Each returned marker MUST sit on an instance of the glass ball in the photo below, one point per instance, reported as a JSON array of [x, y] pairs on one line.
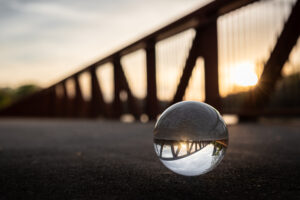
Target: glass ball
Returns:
[[190, 138]]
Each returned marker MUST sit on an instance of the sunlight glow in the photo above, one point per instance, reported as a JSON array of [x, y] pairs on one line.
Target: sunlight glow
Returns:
[[183, 146], [244, 75]]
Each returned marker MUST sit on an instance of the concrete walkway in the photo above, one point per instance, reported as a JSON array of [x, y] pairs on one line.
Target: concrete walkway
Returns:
[[81, 159]]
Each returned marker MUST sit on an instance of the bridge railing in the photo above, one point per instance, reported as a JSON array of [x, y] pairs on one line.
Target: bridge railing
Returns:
[[205, 45]]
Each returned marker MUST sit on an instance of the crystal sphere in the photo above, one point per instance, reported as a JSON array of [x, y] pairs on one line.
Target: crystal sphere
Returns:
[[190, 138]]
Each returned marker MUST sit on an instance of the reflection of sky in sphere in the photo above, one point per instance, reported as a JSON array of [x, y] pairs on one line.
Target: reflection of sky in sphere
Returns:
[[197, 163]]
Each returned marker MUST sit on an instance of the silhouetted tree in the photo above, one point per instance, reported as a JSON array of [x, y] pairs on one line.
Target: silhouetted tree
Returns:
[[9, 95]]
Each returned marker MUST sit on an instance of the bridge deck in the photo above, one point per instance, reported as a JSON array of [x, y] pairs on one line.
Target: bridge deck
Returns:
[[77, 159]]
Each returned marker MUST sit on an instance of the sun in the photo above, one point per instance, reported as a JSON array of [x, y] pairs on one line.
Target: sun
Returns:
[[244, 75]]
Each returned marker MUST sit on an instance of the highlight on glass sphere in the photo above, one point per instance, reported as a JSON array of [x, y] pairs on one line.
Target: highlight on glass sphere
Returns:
[[190, 138]]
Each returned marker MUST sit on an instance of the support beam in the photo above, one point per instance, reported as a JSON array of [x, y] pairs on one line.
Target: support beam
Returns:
[[117, 104], [209, 49], [121, 84], [60, 102], [45, 107], [152, 106], [65, 100], [131, 100], [53, 102], [79, 104], [188, 69], [97, 104]]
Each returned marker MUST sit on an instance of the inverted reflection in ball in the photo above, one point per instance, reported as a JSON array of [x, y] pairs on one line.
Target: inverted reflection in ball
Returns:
[[190, 138]]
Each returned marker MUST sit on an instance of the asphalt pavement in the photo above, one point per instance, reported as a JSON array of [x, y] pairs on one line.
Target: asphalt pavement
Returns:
[[98, 159]]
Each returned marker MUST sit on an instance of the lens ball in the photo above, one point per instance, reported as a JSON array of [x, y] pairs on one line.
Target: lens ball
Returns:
[[190, 138]]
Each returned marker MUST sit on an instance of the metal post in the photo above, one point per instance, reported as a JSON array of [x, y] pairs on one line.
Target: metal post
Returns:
[[65, 100], [209, 45], [152, 107], [97, 104], [117, 104], [79, 106]]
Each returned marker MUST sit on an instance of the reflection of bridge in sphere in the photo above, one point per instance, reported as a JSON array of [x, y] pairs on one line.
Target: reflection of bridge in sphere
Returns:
[[173, 150]]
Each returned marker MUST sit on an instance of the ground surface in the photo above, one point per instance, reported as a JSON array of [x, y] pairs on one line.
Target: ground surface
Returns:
[[76, 159]]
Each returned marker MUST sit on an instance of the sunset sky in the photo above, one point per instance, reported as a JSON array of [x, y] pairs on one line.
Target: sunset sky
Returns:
[[43, 41]]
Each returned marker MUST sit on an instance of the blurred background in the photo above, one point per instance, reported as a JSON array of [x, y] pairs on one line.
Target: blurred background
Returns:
[[43, 44]]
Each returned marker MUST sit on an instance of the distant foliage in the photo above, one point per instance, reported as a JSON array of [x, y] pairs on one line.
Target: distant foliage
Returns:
[[10, 95], [287, 92], [286, 95]]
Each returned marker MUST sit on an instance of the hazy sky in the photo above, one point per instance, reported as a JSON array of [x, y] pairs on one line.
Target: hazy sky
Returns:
[[43, 41]]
